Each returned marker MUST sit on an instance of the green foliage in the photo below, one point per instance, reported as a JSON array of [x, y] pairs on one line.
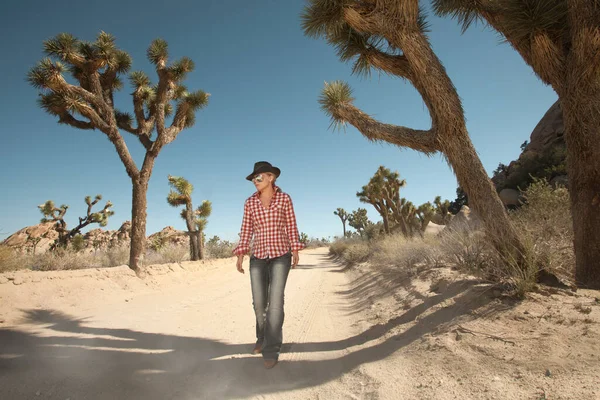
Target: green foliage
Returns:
[[158, 51], [56, 214], [181, 194], [530, 166], [334, 94], [78, 243], [218, 248], [442, 208], [303, 238], [359, 220], [461, 200]]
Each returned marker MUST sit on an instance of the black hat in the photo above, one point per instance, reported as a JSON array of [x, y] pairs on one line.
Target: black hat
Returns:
[[263, 166]]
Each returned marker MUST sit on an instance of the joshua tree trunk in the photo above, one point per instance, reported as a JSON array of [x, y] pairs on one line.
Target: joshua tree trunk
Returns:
[[138, 224], [194, 245], [448, 134], [453, 139], [564, 52], [200, 242], [582, 115]]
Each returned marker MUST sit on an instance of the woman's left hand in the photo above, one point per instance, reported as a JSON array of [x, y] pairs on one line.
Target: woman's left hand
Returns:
[[295, 258]]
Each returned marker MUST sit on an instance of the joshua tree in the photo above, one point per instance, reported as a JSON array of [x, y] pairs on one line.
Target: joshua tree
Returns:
[[89, 105], [57, 214], [195, 220], [442, 209], [340, 212], [358, 220], [424, 214], [560, 40], [383, 186], [304, 238], [389, 35]]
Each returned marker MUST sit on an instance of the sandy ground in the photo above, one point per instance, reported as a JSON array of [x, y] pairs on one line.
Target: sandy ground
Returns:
[[185, 332]]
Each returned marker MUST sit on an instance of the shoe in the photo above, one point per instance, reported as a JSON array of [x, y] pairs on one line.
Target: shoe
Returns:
[[257, 349], [270, 363]]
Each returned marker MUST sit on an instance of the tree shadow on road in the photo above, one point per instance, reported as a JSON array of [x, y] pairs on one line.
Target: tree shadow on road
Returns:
[[67, 357]]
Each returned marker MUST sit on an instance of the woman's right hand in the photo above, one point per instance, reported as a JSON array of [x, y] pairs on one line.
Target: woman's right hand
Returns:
[[238, 264]]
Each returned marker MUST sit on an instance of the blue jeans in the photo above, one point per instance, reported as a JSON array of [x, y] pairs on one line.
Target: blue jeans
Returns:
[[268, 277]]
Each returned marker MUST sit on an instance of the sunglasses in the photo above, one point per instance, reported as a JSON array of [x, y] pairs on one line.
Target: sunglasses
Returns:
[[258, 178]]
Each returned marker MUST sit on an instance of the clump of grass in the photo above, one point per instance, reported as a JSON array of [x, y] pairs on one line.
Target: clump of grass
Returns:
[[545, 221], [217, 248], [356, 252], [397, 250], [9, 259], [169, 253]]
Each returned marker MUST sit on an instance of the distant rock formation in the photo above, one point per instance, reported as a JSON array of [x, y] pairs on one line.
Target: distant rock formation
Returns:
[[37, 237], [168, 235], [544, 155], [40, 237]]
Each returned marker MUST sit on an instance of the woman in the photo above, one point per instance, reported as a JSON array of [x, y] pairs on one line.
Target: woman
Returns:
[[269, 221]]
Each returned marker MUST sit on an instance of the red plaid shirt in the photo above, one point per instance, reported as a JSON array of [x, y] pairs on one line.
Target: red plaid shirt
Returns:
[[273, 229]]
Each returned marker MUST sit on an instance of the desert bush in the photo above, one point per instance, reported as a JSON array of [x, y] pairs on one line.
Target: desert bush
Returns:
[[356, 251], [169, 253], [468, 249], [10, 260], [218, 248], [545, 221], [314, 243], [399, 251], [115, 256], [337, 247], [63, 259]]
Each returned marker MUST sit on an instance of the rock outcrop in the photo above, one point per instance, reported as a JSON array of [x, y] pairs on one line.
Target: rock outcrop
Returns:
[[168, 235], [39, 238], [36, 238], [543, 157], [465, 220]]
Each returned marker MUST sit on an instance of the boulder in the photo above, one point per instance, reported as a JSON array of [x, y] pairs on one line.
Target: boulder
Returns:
[[510, 197], [465, 220], [40, 236]]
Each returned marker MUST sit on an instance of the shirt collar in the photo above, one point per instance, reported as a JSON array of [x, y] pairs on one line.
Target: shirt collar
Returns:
[[277, 191]]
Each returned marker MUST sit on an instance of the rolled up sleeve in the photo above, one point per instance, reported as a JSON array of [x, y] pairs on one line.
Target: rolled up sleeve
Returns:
[[291, 227], [246, 231]]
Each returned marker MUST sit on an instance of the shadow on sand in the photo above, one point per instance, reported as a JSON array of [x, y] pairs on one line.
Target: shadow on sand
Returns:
[[105, 363]]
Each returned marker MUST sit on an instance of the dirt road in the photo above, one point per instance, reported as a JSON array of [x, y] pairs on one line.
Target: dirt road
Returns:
[[186, 330], [182, 335]]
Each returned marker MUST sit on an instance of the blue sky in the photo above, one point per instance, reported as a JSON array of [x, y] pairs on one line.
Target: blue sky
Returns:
[[264, 77]]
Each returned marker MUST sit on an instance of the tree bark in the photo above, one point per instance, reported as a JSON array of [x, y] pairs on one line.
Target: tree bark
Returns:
[[194, 245], [581, 113], [441, 98], [200, 245], [138, 224]]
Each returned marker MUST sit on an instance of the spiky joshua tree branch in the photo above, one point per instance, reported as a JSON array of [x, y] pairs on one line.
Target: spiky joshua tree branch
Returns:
[[56, 214]]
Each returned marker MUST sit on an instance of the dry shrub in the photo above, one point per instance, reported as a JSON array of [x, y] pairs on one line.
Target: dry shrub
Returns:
[[356, 252], [398, 251], [337, 247], [468, 249], [170, 253], [314, 243], [545, 222], [217, 248], [64, 259], [9, 260], [351, 251], [115, 256]]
